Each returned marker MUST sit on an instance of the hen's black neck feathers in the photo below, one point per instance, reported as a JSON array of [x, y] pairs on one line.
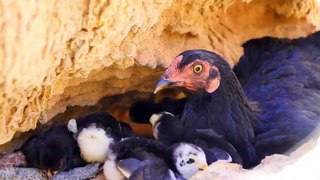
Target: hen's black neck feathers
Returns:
[[224, 110]]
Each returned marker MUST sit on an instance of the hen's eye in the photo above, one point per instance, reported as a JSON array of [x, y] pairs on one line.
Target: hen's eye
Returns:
[[190, 161], [197, 68]]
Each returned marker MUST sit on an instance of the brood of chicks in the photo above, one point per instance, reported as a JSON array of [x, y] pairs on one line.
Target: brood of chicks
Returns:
[[216, 121], [99, 137]]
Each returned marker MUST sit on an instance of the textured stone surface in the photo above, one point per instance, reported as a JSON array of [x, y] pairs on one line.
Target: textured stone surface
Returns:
[[86, 172], [301, 164], [60, 53], [12, 160], [15, 173]]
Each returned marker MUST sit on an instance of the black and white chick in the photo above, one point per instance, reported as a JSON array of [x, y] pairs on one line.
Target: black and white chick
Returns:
[[169, 130], [52, 150], [188, 159], [96, 132], [148, 159]]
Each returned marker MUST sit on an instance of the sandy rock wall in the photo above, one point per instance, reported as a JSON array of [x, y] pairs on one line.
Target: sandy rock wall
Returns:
[[300, 163], [58, 53]]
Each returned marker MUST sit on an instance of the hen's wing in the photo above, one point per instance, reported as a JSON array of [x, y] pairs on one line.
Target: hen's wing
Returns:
[[283, 76]]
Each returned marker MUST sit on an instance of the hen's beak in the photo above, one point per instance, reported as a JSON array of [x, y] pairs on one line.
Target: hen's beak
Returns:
[[163, 83], [202, 167]]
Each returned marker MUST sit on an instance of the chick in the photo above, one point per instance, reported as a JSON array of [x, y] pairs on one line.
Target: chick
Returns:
[[169, 130], [143, 158], [95, 133], [53, 150], [188, 159]]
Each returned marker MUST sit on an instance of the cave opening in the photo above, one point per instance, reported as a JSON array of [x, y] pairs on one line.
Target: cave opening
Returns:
[[117, 105]]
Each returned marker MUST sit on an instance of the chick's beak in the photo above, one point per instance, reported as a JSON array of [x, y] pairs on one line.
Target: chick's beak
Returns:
[[153, 119], [203, 167], [51, 172], [163, 83]]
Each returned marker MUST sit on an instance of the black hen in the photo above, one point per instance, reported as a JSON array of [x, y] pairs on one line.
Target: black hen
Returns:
[[282, 76]]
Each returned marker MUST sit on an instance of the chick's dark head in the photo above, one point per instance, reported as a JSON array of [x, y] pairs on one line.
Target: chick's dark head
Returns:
[[195, 70], [54, 155], [165, 126], [141, 111], [100, 120]]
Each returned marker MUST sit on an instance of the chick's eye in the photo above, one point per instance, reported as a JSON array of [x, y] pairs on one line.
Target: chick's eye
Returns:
[[197, 68], [190, 161], [108, 131]]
